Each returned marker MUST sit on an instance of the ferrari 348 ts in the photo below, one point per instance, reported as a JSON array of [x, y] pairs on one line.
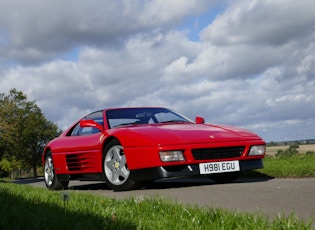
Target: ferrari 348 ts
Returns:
[[128, 146]]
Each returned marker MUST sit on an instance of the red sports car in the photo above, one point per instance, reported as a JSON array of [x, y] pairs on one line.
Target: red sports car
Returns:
[[128, 146]]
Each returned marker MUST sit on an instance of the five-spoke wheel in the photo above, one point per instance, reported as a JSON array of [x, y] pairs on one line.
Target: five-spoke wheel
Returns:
[[51, 179], [115, 168]]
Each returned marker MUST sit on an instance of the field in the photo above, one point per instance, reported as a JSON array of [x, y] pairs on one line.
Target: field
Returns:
[[272, 150]]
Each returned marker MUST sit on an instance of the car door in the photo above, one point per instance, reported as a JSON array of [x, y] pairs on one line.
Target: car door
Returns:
[[82, 148]]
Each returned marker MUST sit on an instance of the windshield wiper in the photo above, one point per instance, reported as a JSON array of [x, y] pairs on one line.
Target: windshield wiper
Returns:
[[125, 124], [174, 121]]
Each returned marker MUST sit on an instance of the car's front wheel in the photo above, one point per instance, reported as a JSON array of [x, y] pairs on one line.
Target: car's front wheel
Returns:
[[51, 180], [115, 169]]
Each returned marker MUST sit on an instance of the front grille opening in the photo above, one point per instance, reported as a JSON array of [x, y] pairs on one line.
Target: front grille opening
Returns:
[[217, 153]]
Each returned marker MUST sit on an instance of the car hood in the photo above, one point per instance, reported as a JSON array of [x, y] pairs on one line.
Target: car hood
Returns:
[[168, 134]]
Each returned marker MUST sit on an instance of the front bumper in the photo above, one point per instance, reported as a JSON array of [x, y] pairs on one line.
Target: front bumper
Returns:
[[185, 170]]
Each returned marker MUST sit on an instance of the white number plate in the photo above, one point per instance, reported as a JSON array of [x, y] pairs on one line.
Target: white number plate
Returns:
[[219, 167]]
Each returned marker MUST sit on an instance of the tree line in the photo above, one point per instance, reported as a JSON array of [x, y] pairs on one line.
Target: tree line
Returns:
[[24, 131]]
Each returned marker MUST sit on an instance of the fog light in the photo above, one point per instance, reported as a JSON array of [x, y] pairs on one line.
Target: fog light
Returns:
[[169, 156], [257, 150]]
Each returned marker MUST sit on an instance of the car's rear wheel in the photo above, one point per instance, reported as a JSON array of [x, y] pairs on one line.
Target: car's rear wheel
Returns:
[[51, 179], [222, 178], [115, 169]]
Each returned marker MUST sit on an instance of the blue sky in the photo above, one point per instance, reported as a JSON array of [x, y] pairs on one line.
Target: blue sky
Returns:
[[246, 63], [196, 23]]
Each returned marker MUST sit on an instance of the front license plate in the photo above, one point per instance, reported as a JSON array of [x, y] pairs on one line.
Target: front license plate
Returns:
[[219, 167]]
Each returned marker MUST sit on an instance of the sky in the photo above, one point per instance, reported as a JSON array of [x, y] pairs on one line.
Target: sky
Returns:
[[247, 63]]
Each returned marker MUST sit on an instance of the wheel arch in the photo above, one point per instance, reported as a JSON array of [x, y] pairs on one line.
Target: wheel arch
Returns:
[[108, 140], [46, 150]]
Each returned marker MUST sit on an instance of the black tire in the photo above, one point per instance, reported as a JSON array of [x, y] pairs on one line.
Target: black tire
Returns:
[[51, 180], [222, 178], [115, 169]]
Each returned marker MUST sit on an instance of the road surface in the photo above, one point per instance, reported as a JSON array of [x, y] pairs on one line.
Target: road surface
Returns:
[[269, 196]]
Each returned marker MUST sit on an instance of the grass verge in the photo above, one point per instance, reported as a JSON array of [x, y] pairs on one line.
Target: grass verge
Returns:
[[295, 165], [25, 207]]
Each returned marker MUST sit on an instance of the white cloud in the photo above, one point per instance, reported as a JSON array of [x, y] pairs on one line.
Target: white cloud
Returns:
[[253, 67], [37, 31], [262, 22]]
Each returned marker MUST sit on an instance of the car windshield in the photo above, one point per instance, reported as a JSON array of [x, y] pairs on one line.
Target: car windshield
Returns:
[[131, 116]]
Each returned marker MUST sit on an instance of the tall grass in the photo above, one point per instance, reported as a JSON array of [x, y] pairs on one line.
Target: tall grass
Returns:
[[289, 165], [25, 207]]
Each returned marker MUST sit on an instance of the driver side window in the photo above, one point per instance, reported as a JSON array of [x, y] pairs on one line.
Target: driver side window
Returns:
[[75, 131], [81, 131]]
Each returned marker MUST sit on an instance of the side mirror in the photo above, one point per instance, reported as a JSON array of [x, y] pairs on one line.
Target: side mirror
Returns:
[[200, 120], [91, 123]]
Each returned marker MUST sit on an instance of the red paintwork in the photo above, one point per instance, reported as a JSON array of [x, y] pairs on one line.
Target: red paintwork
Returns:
[[143, 142]]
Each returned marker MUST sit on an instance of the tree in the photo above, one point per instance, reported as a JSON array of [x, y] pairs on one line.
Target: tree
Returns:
[[24, 130], [294, 145]]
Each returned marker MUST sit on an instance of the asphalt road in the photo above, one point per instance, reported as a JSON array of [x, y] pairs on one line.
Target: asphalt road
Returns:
[[269, 196]]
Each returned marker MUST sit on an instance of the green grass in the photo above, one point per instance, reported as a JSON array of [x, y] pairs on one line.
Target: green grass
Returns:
[[295, 165], [26, 207]]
